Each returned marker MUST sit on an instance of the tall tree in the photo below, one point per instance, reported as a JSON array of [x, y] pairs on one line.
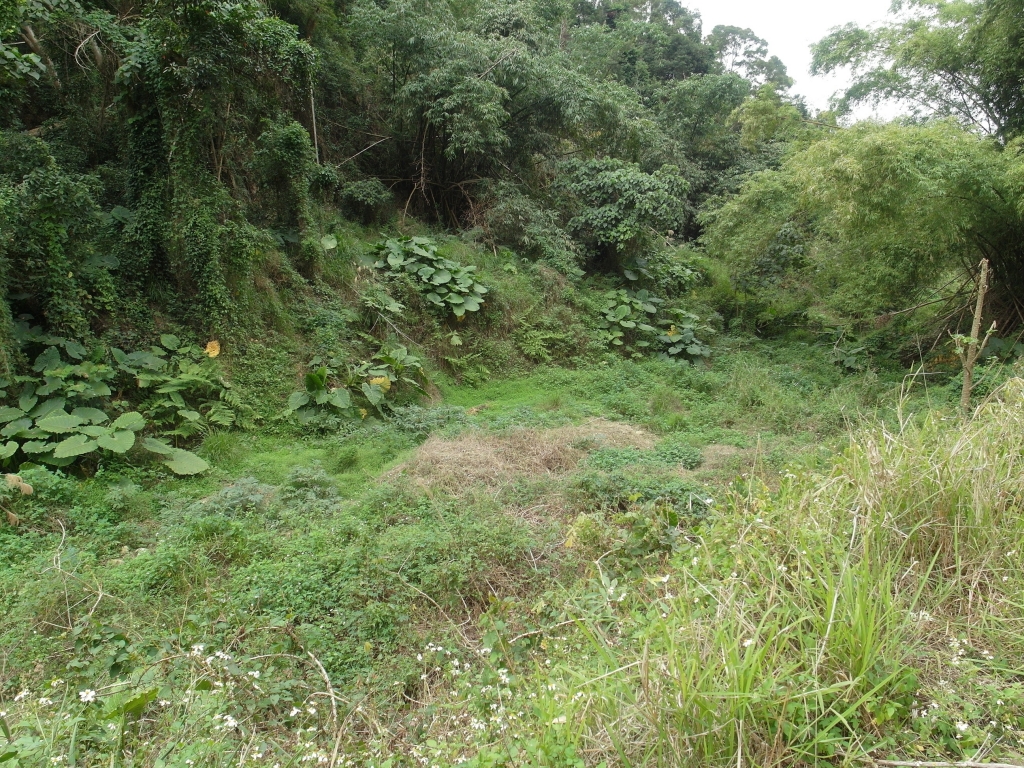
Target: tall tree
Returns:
[[957, 58]]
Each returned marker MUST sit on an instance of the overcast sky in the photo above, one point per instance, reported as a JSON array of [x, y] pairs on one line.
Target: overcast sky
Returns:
[[790, 26]]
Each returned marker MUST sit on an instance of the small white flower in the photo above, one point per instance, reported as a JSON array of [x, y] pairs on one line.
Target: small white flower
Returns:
[[748, 642], [45, 702], [164, 703], [295, 711], [88, 695], [254, 674], [962, 727], [22, 695], [311, 710]]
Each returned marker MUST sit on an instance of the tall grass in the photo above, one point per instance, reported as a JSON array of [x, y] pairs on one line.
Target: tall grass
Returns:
[[819, 621], [871, 611]]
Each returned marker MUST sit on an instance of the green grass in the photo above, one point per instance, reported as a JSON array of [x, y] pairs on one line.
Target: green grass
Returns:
[[732, 593]]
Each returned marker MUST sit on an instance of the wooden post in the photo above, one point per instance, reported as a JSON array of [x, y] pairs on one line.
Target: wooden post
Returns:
[[975, 345], [312, 111]]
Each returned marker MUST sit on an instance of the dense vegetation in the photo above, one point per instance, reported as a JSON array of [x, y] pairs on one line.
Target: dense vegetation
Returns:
[[507, 382]]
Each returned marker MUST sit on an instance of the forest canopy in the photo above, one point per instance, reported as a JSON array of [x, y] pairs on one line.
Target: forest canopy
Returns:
[[163, 157]]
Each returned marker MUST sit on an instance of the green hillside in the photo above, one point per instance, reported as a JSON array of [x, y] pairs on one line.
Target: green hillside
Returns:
[[392, 383]]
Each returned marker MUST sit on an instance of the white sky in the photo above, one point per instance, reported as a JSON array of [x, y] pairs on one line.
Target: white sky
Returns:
[[790, 26]]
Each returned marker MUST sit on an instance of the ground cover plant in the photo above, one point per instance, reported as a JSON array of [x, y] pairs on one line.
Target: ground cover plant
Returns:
[[510, 383], [466, 608]]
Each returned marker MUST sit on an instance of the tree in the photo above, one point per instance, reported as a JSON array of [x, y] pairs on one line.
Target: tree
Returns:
[[741, 51], [874, 218], [954, 58]]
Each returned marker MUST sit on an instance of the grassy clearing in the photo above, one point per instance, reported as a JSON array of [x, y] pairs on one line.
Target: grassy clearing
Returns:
[[641, 564]]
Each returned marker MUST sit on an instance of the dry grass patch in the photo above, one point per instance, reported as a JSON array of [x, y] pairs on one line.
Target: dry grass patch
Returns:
[[493, 460]]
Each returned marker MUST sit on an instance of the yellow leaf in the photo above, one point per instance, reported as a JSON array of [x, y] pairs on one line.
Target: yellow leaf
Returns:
[[213, 349], [362, 413], [382, 381]]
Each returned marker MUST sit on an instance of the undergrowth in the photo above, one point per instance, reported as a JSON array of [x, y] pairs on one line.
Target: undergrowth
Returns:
[[669, 570]]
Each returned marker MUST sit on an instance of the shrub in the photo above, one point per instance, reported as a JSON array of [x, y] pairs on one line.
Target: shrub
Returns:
[[444, 283]]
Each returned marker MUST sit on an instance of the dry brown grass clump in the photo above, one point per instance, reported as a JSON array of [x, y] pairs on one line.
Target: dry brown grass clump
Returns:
[[494, 460]]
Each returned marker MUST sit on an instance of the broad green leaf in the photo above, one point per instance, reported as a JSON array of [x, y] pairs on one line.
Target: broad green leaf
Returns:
[[47, 407], [94, 431], [158, 446], [6, 451], [471, 303], [131, 420], [316, 380], [441, 277], [329, 242], [340, 398], [49, 458], [122, 215], [76, 445], [48, 360], [621, 311], [188, 413], [9, 413], [296, 400], [14, 428], [74, 349], [37, 446], [118, 442], [170, 341], [373, 393], [185, 463], [137, 703], [92, 415], [60, 423], [27, 401]]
